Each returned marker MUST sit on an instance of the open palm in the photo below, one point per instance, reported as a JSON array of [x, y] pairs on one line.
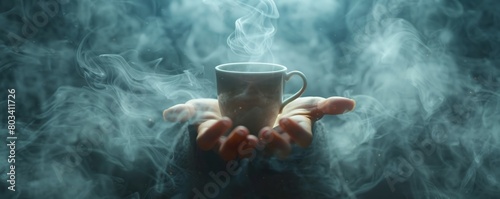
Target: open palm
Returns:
[[293, 125]]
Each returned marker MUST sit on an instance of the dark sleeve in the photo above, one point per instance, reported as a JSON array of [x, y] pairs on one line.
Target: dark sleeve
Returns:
[[196, 174], [301, 175], [187, 168], [179, 171]]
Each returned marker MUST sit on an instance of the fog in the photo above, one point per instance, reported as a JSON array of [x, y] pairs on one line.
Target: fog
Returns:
[[92, 78]]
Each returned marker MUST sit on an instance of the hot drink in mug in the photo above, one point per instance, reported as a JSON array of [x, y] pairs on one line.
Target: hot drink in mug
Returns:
[[251, 93]]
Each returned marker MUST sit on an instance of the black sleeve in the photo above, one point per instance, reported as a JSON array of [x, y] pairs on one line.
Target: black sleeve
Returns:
[[301, 175], [187, 168]]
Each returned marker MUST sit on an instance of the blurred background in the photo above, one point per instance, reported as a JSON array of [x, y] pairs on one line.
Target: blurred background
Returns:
[[92, 78]]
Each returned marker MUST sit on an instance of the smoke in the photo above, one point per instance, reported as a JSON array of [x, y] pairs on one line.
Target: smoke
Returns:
[[254, 32], [92, 78]]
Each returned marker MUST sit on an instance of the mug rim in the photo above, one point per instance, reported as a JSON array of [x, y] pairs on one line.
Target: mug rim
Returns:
[[220, 66]]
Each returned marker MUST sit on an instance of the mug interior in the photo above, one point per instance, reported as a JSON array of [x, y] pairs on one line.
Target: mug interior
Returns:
[[250, 67]]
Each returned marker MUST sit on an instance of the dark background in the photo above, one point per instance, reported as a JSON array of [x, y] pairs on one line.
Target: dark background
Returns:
[[92, 78]]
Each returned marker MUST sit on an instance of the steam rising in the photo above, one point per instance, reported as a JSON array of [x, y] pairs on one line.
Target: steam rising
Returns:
[[92, 78], [254, 32]]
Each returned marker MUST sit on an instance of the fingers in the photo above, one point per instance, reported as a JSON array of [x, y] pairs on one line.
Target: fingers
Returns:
[[316, 107], [210, 131], [179, 113], [246, 149], [336, 105], [205, 105], [229, 149], [274, 142], [201, 109], [296, 121], [299, 126], [299, 131]]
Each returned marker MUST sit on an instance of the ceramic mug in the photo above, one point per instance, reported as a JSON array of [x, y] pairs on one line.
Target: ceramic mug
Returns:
[[251, 93]]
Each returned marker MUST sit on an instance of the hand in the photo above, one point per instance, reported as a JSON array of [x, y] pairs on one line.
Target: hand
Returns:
[[293, 125], [211, 127]]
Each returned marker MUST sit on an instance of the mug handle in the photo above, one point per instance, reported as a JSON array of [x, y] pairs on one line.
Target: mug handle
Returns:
[[298, 93]]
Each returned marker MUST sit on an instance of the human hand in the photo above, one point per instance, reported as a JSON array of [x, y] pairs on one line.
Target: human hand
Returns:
[[293, 125], [211, 127]]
